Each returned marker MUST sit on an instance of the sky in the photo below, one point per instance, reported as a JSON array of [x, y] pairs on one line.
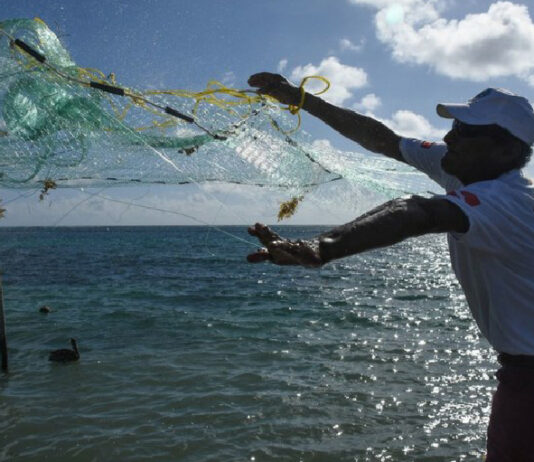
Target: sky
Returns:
[[393, 60]]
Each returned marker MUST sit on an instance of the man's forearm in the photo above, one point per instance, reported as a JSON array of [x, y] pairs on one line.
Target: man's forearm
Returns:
[[385, 225], [366, 131]]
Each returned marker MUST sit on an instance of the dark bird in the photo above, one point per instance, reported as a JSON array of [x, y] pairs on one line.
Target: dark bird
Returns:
[[65, 355], [45, 309]]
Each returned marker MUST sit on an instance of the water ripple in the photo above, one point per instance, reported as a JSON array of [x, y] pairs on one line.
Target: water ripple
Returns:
[[190, 354]]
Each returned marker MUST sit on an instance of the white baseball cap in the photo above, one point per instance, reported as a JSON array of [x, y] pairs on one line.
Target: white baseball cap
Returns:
[[495, 106]]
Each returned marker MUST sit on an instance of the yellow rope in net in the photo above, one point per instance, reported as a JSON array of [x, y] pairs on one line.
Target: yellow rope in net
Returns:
[[216, 93]]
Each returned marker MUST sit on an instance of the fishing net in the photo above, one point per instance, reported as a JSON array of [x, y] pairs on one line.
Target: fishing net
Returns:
[[62, 125]]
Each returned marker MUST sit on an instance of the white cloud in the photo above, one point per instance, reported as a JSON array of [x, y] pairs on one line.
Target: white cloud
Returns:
[[343, 78], [369, 102], [411, 11], [346, 45], [412, 125], [495, 43], [282, 65]]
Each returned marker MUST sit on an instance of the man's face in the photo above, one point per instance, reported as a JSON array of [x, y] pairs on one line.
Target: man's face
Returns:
[[475, 152]]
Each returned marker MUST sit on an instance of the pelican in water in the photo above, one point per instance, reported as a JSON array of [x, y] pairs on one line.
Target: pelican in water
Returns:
[[65, 355]]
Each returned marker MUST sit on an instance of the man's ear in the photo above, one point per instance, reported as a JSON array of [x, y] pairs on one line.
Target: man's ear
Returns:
[[512, 154]]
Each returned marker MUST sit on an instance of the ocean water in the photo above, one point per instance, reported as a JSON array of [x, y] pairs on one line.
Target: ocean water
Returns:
[[188, 353]]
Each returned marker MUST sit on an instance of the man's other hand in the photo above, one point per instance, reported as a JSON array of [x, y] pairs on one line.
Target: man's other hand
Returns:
[[283, 251]]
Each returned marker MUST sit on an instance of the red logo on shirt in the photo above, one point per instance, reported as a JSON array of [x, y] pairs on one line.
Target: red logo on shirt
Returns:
[[470, 198], [427, 144]]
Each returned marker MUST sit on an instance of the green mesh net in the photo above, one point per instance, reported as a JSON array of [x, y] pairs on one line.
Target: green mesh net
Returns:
[[56, 128]]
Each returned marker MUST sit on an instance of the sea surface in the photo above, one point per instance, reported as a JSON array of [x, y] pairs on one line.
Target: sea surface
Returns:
[[190, 354]]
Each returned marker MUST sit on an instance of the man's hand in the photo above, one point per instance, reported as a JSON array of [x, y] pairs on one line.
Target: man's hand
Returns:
[[276, 86], [282, 251]]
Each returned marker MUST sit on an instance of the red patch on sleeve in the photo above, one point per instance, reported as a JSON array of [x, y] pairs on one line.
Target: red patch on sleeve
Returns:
[[470, 198], [427, 144]]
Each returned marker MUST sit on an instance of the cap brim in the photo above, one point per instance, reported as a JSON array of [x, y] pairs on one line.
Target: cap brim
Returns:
[[448, 111], [462, 112]]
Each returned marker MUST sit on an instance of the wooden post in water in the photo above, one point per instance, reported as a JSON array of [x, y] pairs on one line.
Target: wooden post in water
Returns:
[[3, 338]]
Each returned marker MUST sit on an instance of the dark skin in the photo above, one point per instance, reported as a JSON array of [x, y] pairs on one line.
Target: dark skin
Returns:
[[470, 159]]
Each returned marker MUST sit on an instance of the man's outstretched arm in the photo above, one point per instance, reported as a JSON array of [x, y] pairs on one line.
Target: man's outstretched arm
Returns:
[[385, 225], [366, 131]]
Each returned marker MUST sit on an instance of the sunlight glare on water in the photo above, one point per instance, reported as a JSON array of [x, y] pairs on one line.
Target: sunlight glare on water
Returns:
[[188, 353]]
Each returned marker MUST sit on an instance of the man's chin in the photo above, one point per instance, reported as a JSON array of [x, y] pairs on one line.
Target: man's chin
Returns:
[[449, 170]]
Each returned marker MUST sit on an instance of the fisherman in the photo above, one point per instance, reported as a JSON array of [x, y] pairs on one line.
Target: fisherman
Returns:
[[487, 211]]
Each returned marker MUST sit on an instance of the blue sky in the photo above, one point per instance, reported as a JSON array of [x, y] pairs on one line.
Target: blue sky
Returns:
[[392, 59]]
